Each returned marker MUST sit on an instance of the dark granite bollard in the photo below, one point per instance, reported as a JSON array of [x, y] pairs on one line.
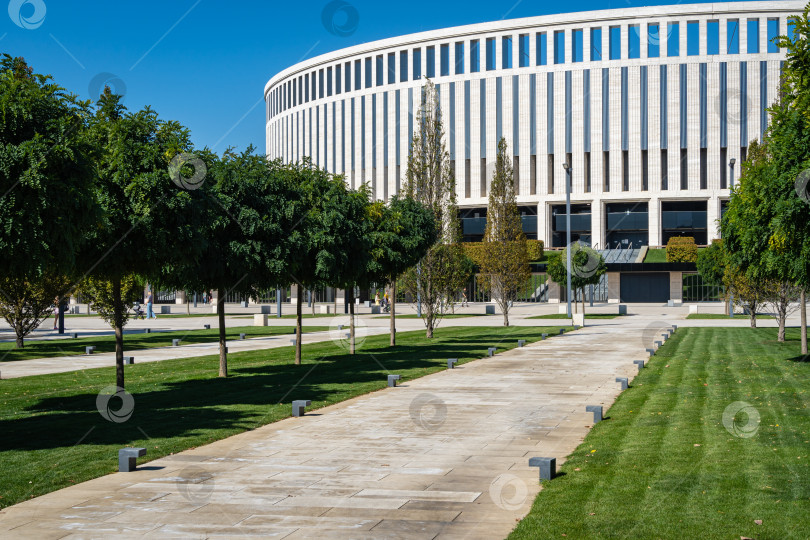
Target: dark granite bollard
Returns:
[[127, 458], [392, 380], [597, 412], [622, 380], [548, 466], [299, 406]]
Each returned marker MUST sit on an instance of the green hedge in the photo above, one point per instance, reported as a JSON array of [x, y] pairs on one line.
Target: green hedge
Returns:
[[474, 250], [682, 249]]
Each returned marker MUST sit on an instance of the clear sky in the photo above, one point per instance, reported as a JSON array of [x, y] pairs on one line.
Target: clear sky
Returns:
[[204, 63]]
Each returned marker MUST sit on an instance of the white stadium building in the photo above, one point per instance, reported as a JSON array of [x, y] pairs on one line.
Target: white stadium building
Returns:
[[650, 106]]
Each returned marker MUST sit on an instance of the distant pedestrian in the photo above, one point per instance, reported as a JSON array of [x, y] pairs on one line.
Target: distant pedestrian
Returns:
[[55, 313], [149, 301], [464, 298], [377, 298]]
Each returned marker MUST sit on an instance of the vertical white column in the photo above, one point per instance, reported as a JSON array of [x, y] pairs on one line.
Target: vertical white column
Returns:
[[634, 127], [713, 125]]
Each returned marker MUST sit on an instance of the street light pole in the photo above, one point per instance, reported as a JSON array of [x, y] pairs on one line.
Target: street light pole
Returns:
[[731, 185], [567, 167]]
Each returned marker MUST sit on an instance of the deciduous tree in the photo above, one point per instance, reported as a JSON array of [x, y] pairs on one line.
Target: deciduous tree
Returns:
[[504, 258]]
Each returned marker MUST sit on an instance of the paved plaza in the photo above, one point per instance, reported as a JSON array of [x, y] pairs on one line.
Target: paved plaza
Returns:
[[444, 456]]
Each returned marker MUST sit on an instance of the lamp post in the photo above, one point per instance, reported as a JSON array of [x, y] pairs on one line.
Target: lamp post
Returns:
[[731, 163], [567, 167]]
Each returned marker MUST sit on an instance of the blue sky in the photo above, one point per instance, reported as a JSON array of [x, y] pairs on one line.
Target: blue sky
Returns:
[[205, 62]]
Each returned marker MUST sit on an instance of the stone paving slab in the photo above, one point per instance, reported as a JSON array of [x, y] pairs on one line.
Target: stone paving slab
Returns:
[[444, 456]]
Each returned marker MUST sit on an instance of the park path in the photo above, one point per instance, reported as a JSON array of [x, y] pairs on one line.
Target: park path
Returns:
[[62, 364], [444, 456]]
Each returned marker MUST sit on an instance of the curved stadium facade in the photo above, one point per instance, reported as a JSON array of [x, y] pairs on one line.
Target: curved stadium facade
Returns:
[[648, 105]]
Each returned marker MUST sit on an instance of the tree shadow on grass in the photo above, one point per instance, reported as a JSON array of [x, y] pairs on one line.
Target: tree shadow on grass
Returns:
[[256, 393]]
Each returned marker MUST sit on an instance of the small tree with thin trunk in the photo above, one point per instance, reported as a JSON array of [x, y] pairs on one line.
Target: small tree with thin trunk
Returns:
[[429, 180], [250, 205], [504, 253], [25, 303], [587, 268], [401, 234], [147, 222]]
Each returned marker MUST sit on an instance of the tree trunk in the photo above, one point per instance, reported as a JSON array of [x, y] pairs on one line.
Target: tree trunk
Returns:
[[223, 355], [299, 303], [782, 318], [392, 316], [752, 308], [583, 305], [118, 317], [20, 342], [351, 322], [312, 301], [803, 329]]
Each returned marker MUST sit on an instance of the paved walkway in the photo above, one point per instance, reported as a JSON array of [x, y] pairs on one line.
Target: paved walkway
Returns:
[[444, 456], [62, 364]]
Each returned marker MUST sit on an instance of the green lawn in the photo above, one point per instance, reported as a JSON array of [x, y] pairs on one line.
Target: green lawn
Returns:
[[725, 316], [53, 436], [304, 315], [656, 256], [664, 466], [446, 316], [587, 316], [133, 341]]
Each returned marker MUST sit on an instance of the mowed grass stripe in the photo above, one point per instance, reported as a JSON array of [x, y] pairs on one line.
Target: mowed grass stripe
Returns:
[[647, 479]]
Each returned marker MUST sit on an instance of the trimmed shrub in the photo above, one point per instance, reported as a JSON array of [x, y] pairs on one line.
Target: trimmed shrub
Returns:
[[682, 249]]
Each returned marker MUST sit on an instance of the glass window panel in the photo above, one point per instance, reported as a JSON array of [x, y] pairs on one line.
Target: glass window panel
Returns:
[[753, 36], [445, 60], [576, 45], [475, 56], [596, 44], [633, 41], [653, 41], [713, 37], [506, 52], [692, 38], [392, 68], [417, 64], [459, 58], [559, 47], [403, 66], [490, 54], [542, 49], [368, 72], [615, 42], [773, 32], [673, 39], [430, 58], [524, 50], [733, 36]]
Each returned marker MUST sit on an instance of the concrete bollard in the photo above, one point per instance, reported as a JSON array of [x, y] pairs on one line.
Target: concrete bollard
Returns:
[[340, 327], [658, 344], [622, 380], [562, 331], [543, 336], [651, 351], [299, 406], [127, 458], [548, 466], [392, 380], [74, 335], [451, 363], [90, 349], [207, 326], [293, 341], [597, 412], [639, 363], [147, 331], [521, 342], [241, 336], [129, 360], [491, 351], [175, 343]]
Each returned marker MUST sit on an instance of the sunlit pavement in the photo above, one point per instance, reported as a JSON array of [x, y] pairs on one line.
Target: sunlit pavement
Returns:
[[444, 456]]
